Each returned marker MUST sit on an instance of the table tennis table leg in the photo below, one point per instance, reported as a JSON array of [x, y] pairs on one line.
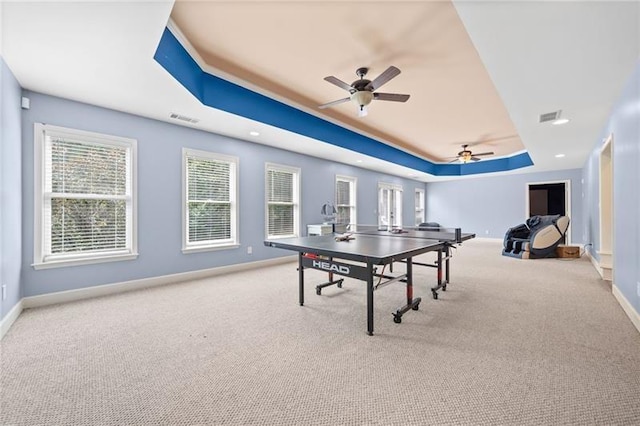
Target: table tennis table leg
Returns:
[[446, 268], [411, 302], [434, 290], [409, 281], [300, 280], [369, 299]]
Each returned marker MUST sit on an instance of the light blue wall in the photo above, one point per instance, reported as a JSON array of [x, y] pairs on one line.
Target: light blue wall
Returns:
[[10, 188], [624, 125], [159, 194], [489, 206]]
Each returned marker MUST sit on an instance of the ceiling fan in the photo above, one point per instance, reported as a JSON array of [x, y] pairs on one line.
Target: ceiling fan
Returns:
[[362, 90], [466, 155]]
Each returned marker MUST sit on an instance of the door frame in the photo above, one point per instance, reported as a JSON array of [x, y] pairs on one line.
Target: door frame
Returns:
[[605, 191], [392, 216], [567, 201]]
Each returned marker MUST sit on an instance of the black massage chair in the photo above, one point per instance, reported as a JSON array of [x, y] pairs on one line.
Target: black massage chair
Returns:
[[537, 238]]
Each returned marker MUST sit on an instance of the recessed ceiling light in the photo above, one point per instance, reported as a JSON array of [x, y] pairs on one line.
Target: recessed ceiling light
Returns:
[[559, 155], [560, 121], [254, 133], [358, 161]]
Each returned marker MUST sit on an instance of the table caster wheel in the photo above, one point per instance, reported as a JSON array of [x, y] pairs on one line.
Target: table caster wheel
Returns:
[[435, 295], [415, 308], [318, 291], [444, 288], [397, 319]]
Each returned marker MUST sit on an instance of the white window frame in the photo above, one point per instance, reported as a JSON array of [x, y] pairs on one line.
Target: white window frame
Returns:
[[230, 243], [42, 259], [396, 208], [353, 186], [420, 207], [296, 199]]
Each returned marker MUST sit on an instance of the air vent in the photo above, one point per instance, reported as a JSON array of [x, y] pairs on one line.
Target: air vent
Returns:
[[550, 116], [184, 118]]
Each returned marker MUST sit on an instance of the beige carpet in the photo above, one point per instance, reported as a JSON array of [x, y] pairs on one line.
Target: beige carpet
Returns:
[[510, 342]]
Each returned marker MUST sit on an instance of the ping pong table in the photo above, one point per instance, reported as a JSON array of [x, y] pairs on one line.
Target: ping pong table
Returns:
[[366, 249], [450, 237]]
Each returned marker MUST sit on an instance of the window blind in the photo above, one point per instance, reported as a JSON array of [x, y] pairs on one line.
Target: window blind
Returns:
[[280, 186], [208, 200], [280, 200], [86, 196], [345, 206], [343, 193]]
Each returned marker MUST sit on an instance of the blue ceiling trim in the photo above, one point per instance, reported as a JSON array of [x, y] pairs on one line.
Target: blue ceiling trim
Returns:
[[221, 94]]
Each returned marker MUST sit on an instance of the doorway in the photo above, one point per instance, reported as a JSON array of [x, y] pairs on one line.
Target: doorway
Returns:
[[389, 206], [549, 198], [605, 253]]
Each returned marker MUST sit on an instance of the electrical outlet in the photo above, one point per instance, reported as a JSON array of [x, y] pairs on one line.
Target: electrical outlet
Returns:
[[249, 250], [4, 292]]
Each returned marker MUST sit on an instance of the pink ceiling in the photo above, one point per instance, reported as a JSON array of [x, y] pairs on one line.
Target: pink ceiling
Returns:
[[285, 49]]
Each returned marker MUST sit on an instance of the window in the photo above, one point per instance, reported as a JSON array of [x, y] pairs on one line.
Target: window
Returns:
[[209, 201], [419, 206], [346, 199], [389, 205], [85, 204], [283, 197]]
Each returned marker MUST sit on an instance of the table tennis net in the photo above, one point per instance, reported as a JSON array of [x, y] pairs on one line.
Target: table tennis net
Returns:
[[422, 227], [432, 231]]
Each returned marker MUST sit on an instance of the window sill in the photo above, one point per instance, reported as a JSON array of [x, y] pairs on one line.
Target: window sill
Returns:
[[188, 250], [84, 261]]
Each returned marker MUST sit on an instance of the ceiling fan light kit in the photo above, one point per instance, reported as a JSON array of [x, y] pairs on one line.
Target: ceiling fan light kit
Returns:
[[362, 99], [362, 90], [465, 156]]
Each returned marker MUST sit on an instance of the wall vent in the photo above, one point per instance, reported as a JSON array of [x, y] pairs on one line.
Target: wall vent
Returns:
[[183, 118], [550, 116]]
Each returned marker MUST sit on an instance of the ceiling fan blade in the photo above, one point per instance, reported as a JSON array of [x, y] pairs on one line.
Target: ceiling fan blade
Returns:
[[329, 104], [341, 84], [395, 97], [387, 75], [474, 159], [483, 153], [488, 141]]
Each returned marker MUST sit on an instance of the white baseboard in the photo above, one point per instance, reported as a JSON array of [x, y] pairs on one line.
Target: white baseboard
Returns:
[[595, 263], [107, 289], [627, 307], [10, 318], [604, 271]]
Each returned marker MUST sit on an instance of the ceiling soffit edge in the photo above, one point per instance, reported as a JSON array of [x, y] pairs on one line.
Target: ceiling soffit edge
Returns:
[[174, 56]]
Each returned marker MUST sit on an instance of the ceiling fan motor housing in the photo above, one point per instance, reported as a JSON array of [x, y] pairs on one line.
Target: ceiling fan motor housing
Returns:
[[359, 85]]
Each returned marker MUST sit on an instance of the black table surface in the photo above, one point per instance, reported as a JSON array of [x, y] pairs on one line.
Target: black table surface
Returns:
[[362, 248]]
